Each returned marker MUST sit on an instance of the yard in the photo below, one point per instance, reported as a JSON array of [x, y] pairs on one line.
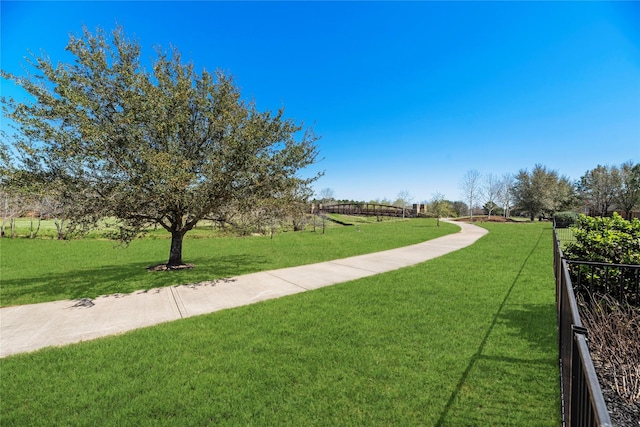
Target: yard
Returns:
[[463, 340]]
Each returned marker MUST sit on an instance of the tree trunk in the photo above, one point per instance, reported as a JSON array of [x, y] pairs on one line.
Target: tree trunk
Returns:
[[59, 226], [175, 254], [33, 233], [39, 224]]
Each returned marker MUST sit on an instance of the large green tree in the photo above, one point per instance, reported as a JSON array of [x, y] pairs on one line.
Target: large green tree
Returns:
[[167, 146], [542, 191], [599, 188], [628, 194]]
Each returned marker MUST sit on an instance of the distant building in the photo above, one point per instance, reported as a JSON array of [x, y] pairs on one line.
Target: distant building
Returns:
[[420, 208]]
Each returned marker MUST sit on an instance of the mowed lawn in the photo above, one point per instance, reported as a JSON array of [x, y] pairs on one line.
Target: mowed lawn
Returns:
[[468, 339], [40, 270]]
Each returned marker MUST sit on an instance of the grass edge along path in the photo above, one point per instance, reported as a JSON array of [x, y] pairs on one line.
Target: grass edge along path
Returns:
[[37, 270], [465, 339]]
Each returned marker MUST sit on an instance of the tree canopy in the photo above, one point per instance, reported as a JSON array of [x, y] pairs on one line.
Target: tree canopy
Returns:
[[598, 187], [542, 191], [606, 186], [169, 146]]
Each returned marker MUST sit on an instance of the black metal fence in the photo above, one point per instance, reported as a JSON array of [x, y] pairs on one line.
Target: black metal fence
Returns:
[[620, 281], [582, 400], [564, 234]]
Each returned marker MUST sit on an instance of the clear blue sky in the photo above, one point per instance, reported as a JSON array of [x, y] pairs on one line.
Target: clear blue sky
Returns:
[[407, 96]]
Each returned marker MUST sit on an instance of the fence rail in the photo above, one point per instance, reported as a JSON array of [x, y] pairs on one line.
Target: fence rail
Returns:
[[368, 209], [621, 281], [582, 401]]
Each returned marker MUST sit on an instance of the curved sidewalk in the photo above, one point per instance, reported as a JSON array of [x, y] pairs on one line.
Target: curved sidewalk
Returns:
[[31, 327]]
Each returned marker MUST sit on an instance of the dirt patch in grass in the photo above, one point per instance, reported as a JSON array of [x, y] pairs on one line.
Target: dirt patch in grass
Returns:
[[165, 267]]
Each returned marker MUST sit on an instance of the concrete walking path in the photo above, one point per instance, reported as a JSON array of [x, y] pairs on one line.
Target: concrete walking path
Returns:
[[30, 327]]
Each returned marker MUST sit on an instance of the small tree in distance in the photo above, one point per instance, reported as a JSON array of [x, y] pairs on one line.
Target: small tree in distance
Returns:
[[440, 207], [471, 189], [327, 195], [505, 193], [490, 192], [167, 147], [459, 208], [403, 199]]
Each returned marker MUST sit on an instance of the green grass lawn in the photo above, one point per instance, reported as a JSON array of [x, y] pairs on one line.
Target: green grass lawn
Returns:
[[467, 339], [37, 270]]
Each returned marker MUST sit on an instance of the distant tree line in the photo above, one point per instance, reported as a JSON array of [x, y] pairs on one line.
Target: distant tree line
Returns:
[[536, 193], [542, 192]]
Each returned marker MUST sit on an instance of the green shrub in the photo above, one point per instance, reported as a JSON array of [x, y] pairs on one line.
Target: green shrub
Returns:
[[565, 219], [612, 240], [609, 241]]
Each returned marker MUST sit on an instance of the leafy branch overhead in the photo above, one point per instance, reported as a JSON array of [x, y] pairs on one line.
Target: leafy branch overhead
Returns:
[[169, 146]]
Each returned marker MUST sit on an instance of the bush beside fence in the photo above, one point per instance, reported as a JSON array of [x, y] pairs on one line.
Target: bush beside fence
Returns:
[[582, 401]]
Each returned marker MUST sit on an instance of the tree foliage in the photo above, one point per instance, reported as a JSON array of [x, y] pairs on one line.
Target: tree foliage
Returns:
[[440, 206], [605, 239], [459, 208], [542, 192], [628, 194], [169, 146], [565, 219], [403, 199], [599, 187]]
